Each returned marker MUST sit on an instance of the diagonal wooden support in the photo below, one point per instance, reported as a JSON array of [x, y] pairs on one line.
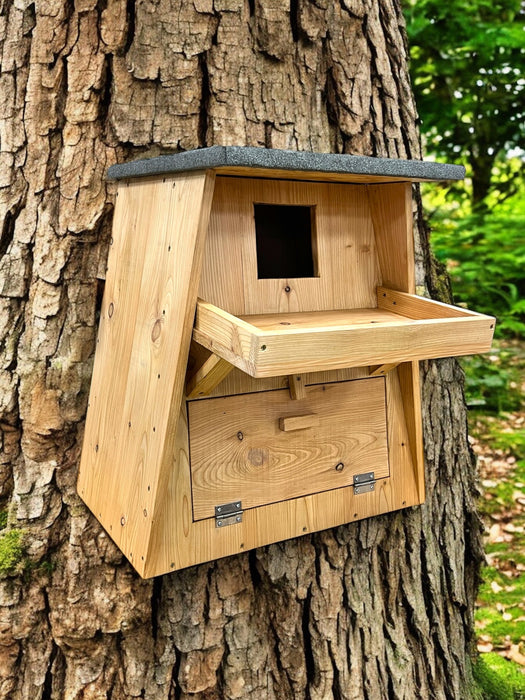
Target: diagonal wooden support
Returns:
[[381, 370], [209, 375]]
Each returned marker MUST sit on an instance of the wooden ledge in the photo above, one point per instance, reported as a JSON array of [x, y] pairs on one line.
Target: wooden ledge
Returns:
[[403, 327]]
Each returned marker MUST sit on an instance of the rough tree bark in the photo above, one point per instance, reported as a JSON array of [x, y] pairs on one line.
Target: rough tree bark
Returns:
[[378, 609]]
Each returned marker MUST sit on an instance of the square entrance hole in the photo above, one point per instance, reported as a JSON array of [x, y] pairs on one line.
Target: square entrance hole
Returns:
[[285, 240]]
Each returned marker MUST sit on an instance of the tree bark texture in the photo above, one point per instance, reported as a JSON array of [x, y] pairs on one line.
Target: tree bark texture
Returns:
[[378, 609]]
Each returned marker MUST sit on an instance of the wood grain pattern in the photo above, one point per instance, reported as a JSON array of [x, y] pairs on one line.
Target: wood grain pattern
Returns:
[[419, 328], [345, 249], [209, 375], [421, 308], [381, 370], [297, 386], [409, 383], [391, 211], [238, 450], [290, 322], [405, 446], [238, 382], [144, 338], [313, 176], [178, 542], [308, 420]]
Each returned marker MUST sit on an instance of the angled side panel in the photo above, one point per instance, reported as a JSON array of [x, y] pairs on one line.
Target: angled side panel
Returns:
[[391, 210], [145, 331]]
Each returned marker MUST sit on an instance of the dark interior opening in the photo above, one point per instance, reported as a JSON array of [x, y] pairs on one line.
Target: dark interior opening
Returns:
[[285, 241]]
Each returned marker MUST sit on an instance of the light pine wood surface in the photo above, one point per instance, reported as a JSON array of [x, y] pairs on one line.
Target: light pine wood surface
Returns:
[[287, 379], [144, 336], [179, 541], [209, 375], [404, 327], [391, 212], [257, 461], [348, 178], [345, 249]]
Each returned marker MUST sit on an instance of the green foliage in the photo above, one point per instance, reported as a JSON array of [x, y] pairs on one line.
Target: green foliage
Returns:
[[467, 66], [11, 551], [498, 679], [486, 262], [493, 382], [485, 257]]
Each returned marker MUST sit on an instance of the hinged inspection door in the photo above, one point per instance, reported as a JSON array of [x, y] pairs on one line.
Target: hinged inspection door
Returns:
[[265, 447]]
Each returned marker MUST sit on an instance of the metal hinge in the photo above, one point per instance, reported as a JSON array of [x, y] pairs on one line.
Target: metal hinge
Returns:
[[364, 483], [228, 514]]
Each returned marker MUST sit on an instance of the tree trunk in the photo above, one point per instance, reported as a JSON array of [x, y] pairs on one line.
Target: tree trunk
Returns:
[[378, 609]]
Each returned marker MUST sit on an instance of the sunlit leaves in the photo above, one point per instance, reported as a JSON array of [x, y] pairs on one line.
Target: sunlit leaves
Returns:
[[468, 67]]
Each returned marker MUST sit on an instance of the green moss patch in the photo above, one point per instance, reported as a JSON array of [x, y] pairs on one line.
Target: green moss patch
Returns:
[[11, 551], [498, 679]]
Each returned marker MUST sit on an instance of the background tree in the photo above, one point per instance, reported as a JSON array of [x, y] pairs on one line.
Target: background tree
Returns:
[[468, 66], [381, 608]]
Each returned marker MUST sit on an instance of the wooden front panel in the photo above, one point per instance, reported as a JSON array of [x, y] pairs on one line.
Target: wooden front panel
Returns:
[[239, 451], [346, 263]]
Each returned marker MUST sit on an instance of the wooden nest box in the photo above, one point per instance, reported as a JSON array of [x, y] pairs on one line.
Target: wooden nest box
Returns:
[[256, 373]]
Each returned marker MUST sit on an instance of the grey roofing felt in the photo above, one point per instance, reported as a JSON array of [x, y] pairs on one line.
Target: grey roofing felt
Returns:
[[272, 159]]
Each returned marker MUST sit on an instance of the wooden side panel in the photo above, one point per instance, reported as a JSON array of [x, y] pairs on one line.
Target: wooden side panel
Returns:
[[347, 265], [240, 451], [418, 308], [408, 374], [177, 542], [391, 208], [222, 271], [391, 211], [144, 337]]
